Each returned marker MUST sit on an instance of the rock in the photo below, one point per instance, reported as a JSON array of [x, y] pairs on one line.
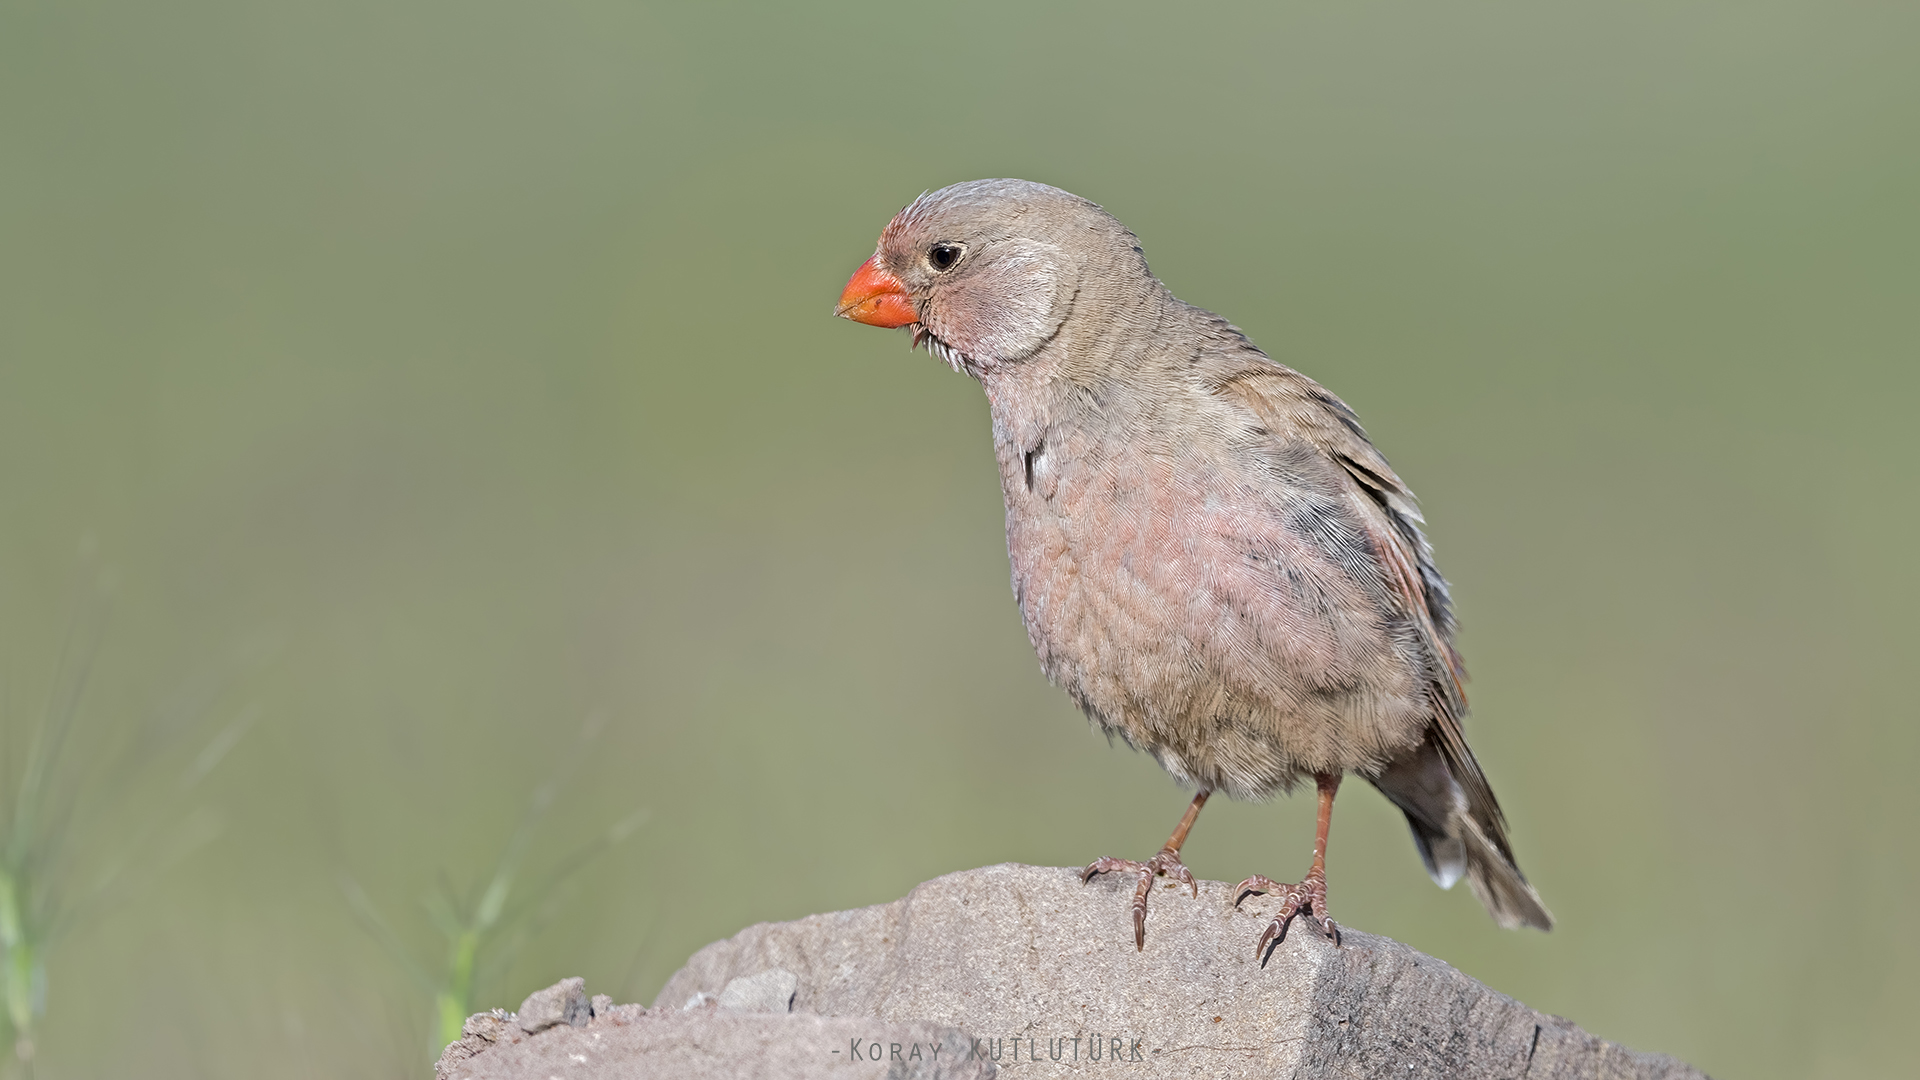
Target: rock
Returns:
[[565, 1002], [480, 1031], [708, 1044], [1025, 968], [1042, 971], [770, 991]]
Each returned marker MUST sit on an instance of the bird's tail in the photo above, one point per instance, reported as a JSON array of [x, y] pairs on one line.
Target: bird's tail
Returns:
[[1460, 831]]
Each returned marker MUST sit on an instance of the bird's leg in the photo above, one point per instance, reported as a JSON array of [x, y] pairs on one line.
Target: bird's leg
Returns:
[[1167, 862], [1311, 894]]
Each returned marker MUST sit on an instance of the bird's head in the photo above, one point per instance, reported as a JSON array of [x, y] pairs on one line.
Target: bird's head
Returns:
[[984, 272]]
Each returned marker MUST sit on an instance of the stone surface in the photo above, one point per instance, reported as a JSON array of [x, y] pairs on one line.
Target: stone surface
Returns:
[[479, 1033], [769, 991], [1030, 960], [565, 1002], [706, 1042], [1024, 969]]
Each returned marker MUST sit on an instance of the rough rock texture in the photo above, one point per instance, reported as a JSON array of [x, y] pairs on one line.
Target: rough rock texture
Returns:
[[769, 991], [709, 1042], [1028, 959], [565, 1002], [1024, 969]]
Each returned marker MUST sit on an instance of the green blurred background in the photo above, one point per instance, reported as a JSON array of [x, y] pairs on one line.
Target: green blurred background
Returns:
[[390, 393]]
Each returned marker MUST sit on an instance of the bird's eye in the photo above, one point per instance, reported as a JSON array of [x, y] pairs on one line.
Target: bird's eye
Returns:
[[943, 256]]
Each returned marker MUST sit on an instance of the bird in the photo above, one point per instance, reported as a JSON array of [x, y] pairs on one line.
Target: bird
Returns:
[[1209, 554]]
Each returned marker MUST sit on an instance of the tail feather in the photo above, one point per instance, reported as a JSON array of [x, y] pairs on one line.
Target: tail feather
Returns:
[[1459, 834], [1445, 856], [1499, 885]]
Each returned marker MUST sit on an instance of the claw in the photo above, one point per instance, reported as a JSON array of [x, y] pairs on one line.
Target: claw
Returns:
[[1309, 896], [1255, 884], [1140, 912], [1274, 930], [1167, 863]]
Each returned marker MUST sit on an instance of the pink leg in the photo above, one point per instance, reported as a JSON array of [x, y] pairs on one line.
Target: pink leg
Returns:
[[1311, 894], [1167, 862]]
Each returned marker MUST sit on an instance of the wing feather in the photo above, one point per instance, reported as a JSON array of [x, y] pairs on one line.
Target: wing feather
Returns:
[[1289, 402]]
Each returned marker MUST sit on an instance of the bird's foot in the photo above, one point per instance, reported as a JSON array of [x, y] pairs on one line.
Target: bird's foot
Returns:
[[1167, 863], [1309, 898]]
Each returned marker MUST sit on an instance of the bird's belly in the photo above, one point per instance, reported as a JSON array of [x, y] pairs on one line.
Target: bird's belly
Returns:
[[1177, 615]]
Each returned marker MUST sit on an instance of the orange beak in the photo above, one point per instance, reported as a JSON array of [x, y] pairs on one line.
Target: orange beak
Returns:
[[875, 297]]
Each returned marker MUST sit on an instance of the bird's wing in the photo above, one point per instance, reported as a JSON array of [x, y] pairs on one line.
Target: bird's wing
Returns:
[[1288, 403]]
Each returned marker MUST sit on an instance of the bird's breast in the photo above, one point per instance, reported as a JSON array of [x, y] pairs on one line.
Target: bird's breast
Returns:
[[1208, 614]]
